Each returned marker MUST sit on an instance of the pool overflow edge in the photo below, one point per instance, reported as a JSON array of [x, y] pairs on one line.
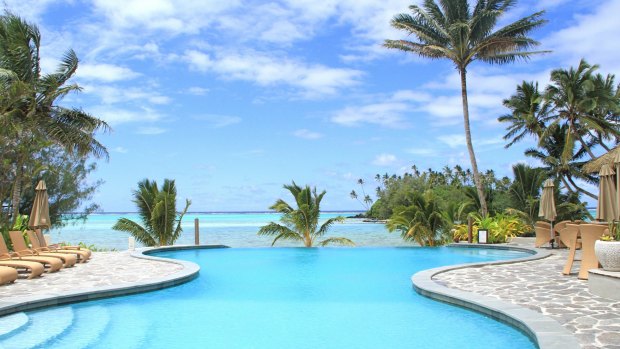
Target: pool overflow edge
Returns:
[[545, 332]]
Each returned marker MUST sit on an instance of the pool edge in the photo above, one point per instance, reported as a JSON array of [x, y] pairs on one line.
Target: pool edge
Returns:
[[544, 331], [189, 272]]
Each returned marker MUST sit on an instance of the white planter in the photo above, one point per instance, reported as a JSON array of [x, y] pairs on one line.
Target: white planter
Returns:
[[608, 254]]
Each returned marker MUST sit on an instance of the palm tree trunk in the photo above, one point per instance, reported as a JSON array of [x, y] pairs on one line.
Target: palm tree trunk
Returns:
[[470, 146], [581, 190], [583, 143], [16, 195]]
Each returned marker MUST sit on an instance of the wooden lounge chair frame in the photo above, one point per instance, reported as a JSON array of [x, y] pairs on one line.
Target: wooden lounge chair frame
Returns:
[[7, 275], [50, 264], [33, 269], [19, 245], [40, 244]]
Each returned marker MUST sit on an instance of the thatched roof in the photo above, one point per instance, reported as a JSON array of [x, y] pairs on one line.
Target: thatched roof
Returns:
[[608, 158]]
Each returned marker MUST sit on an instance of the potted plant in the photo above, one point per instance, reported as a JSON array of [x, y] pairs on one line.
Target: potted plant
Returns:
[[607, 249]]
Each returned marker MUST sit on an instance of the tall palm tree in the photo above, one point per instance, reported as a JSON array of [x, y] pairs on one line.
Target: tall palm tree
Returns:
[[528, 115], [157, 210], [302, 223], [450, 30], [29, 100], [581, 100]]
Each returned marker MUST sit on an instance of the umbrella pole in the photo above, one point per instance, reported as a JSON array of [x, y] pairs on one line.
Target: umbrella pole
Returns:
[[552, 236]]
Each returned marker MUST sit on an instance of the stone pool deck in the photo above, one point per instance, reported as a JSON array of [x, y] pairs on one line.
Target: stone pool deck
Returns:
[[539, 285]]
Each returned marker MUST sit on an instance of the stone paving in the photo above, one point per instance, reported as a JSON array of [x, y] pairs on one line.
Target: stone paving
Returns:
[[103, 269], [541, 286]]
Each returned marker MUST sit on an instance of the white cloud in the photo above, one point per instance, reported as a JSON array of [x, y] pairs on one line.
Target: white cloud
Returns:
[[387, 114], [150, 130], [113, 94], [197, 91], [307, 134], [120, 150], [312, 80], [218, 121], [384, 160], [594, 36], [104, 72], [116, 116]]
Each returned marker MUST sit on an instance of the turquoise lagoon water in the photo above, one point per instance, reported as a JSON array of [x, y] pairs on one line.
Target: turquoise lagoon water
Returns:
[[231, 229], [280, 298]]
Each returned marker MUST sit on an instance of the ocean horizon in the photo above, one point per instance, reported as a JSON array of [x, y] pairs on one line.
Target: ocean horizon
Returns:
[[234, 229]]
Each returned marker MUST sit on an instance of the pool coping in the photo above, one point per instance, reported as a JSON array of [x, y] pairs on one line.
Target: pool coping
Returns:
[[544, 331], [189, 272]]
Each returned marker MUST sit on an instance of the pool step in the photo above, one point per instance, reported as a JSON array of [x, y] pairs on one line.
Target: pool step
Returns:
[[127, 328], [12, 323], [42, 327], [88, 325]]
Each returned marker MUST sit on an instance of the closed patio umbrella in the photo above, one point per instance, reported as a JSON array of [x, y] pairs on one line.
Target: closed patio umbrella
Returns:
[[617, 164], [547, 206], [40, 215], [607, 208]]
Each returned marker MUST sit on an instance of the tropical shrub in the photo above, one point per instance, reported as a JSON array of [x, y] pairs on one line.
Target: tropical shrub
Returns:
[[502, 227], [302, 223], [157, 211]]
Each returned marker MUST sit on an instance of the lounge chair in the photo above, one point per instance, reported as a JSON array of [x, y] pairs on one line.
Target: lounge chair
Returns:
[[83, 254], [19, 246], [7, 275], [50, 263], [589, 234], [33, 269], [543, 233]]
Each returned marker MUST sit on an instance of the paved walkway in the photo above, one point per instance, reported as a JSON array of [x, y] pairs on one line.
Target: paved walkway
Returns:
[[540, 285], [103, 269]]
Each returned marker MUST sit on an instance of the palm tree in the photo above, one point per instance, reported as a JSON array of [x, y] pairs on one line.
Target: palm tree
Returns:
[[302, 223], [29, 107], [551, 154], [581, 100], [451, 30], [528, 114], [423, 221], [525, 191], [157, 210]]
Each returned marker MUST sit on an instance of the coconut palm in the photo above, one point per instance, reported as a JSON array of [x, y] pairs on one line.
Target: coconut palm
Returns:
[[29, 107], [302, 223], [525, 191], [528, 115], [157, 210], [450, 29], [582, 100], [423, 221], [551, 154]]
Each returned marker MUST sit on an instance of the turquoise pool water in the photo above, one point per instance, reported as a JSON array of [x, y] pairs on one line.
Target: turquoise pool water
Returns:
[[280, 298]]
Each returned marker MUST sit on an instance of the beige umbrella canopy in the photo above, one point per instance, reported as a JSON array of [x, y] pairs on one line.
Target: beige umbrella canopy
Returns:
[[40, 215], [547, 205], [607, 208]]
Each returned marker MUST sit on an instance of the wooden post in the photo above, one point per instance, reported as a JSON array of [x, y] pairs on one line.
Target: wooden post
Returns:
[[470, 223], [196, 232]]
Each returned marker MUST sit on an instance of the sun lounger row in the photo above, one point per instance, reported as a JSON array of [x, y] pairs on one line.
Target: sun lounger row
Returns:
[[36, 259]]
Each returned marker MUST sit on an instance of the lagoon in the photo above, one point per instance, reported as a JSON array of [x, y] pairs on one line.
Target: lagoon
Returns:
[[230, 229]]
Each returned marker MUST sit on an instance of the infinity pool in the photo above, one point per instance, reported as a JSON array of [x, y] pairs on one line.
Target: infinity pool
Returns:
[[279, 298]]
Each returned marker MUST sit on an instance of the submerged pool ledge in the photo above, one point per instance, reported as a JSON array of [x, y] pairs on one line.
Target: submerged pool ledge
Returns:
[[189, 272], [544, 331]]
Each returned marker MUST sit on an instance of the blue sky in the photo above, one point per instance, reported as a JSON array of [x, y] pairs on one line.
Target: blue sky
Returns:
[[235, 98]]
